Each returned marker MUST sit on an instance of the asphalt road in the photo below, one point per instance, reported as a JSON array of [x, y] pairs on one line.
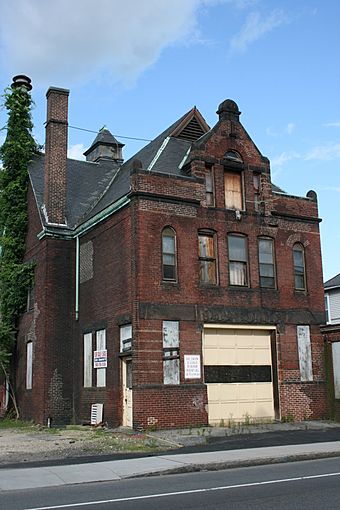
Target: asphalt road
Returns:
[[299, 485]]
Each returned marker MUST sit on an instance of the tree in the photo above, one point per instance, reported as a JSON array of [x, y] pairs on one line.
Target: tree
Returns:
[[16, 153]]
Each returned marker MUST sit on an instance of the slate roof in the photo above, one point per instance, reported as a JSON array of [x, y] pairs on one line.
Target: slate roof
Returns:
[[92, 187], [333, 282], [104, 137], [86, 182]]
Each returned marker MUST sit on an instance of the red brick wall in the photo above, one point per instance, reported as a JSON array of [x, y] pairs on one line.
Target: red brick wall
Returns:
[[105, 301]]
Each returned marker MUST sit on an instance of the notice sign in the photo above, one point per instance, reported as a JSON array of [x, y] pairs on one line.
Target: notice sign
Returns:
[[100, 359], [192, 366]]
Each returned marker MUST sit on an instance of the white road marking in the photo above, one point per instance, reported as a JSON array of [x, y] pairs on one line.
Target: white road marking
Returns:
[[179, 493]]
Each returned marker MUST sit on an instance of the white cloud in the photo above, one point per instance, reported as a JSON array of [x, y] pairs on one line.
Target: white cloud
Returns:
[[333, 124], [255, 27], [76, 151], [331, 188], [325, 152], [53, 40], [280, 160], [290, 128]]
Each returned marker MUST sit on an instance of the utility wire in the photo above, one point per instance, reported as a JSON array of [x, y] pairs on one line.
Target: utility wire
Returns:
[[118, 136]]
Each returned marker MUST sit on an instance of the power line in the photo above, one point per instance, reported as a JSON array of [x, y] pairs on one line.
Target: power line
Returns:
[[118, 136]]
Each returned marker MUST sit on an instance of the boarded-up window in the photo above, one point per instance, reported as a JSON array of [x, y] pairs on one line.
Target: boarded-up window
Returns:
[[86, 262], [207, 258], [171, 372], [238, 260], [29, 365], [233, 190], [88, 360], [305, 353], [125, 333], [101, 346], [336, 368]]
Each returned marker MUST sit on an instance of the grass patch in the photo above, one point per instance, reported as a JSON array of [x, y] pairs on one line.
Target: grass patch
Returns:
[[10, 423]]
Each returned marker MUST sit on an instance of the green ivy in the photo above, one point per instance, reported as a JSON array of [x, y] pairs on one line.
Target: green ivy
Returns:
[[15, 276]]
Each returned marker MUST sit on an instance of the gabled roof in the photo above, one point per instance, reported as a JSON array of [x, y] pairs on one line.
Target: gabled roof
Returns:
[[164, 155], [94, 186], [333, 282]]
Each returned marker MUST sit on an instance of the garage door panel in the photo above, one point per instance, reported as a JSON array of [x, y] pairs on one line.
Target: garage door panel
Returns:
[[237, 369]]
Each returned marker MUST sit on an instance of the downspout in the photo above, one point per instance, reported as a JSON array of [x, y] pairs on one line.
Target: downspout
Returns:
[[77, 279]]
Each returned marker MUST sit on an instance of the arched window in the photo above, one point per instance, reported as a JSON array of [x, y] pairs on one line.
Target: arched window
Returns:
[[169, 272], [299, 267]]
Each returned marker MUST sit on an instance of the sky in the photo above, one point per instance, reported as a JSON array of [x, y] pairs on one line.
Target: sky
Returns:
[[136, 66]]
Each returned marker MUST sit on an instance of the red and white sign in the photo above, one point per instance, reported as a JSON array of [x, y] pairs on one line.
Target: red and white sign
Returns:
[[100, 359]]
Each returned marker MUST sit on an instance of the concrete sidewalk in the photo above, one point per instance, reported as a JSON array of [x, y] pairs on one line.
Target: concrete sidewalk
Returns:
[[28, 478]]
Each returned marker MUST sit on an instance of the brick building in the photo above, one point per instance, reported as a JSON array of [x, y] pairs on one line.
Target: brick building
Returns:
[[180, 287]]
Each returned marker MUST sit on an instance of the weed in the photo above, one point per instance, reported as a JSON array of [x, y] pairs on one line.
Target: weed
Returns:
[[288, 418]]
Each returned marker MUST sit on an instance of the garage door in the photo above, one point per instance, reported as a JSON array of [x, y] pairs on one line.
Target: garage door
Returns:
[[238, 375]]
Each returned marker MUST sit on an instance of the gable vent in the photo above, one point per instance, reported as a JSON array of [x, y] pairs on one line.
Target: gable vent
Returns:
[[192, 131]]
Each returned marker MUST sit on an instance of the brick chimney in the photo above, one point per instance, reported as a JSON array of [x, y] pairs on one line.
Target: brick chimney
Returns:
[[55, 184]]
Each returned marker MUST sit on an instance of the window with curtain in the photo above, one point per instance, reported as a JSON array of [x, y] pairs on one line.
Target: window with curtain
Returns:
[[238, 260], [207, 258], [169, 272], [299, 267], [267, 263], [233, 190]]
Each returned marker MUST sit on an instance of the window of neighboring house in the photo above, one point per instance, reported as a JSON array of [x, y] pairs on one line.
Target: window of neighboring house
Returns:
[[209, 186], [169, 272], [233, 190], [256, 183], [267, 263], [95, 359], [299, 267], [327, 308], [207, 258], [238, 259], [29, 365], [171, 361], [125, 333]]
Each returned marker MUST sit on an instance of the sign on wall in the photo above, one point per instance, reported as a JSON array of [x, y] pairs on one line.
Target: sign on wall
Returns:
[[192, 366], [100, 359]]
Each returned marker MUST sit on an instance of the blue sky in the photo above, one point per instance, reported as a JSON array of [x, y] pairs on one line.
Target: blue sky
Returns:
[[136, 66]]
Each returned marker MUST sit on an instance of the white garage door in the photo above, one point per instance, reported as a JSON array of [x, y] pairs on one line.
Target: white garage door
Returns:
[[238, 375]]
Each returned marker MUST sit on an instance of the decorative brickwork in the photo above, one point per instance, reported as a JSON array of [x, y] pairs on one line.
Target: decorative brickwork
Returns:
[[121, 280]]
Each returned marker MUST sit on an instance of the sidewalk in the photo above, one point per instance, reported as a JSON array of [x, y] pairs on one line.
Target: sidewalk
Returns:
[[28, 478]]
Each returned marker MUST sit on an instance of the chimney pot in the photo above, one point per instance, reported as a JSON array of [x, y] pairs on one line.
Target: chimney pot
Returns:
[[21, 80]]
